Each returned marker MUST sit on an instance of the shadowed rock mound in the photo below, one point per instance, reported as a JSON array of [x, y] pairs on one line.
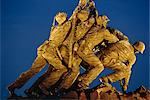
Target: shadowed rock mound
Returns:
[[139, 94]]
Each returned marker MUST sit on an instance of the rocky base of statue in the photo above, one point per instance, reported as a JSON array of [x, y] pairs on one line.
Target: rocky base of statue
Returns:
[[101, 93]]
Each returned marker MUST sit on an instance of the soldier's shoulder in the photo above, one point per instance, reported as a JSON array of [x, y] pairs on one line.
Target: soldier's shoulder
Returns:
[[125, 42], [68, 23]]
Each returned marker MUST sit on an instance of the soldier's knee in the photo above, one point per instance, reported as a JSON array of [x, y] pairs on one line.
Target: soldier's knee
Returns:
[[100, 66]]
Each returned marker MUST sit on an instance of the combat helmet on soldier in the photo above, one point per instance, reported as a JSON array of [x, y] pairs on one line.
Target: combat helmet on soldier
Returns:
[[102, 21], [61, 17], [139, 46], [83, 15]]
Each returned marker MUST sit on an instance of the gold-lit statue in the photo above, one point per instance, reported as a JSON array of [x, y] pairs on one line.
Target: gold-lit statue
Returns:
[[83, 40]]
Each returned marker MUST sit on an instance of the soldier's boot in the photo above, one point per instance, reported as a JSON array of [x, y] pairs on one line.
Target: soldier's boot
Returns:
[[37, 92], [11, 90], [23, 78], [107, 85], [38, 64]]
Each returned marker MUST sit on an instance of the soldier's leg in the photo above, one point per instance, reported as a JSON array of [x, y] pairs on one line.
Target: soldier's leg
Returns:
[[118, 75], [34, 86], [75, 70], [49, 73], [96, 67], [65, 54], [121, 71], [38, 64], [59, 69], [72, 75]]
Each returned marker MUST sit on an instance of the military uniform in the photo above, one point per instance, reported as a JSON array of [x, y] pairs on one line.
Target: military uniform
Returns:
[[93, 37], [52, 57], [82, 29], [76, 60], [47, 52], [58, 35], [85, 51], [75, 69], [118, 57]]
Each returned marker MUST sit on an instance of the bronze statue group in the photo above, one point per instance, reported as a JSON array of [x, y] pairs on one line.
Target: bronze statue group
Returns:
[[83, 40]]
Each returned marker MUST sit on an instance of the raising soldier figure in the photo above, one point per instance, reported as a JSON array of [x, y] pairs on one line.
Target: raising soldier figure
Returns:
[[47, 52]]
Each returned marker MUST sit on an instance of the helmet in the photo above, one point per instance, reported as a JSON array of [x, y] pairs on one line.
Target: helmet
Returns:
[[83, 15], [102, 19], [139, 46], [61, 17], [83, 3]]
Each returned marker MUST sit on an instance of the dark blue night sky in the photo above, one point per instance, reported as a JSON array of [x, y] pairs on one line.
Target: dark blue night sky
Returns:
[[26, 24]]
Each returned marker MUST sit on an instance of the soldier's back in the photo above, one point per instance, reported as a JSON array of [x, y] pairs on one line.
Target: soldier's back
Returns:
[[119, 52]]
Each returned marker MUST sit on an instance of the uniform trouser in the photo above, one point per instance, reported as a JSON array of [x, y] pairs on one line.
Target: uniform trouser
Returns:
[[71, 77], [121, 72], [37, 66], [43, 57], [68, 80], [75, 70], [59, 69], [96, 67]]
